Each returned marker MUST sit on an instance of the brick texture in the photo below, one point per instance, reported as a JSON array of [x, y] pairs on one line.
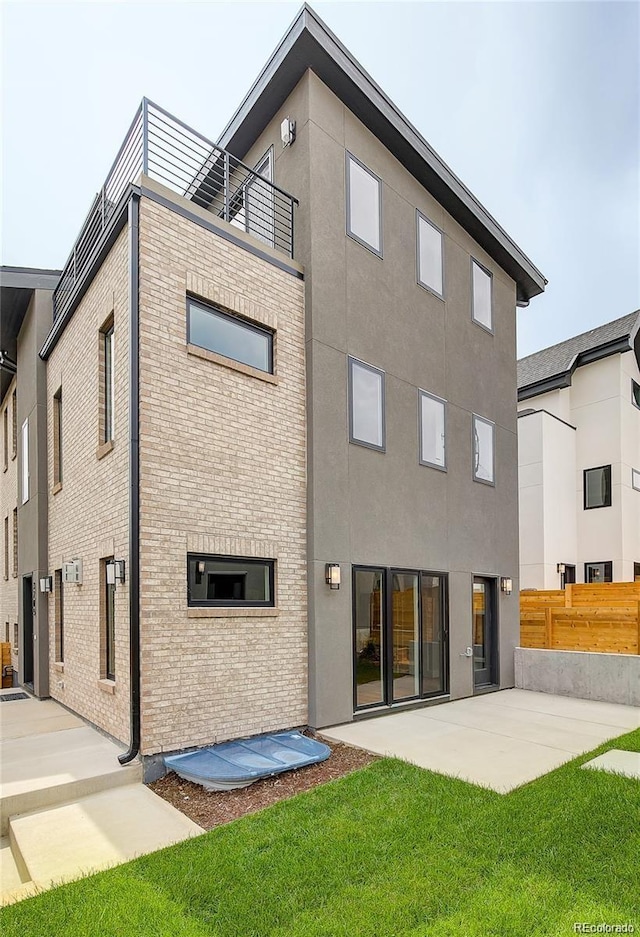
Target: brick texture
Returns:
[[8, 503]]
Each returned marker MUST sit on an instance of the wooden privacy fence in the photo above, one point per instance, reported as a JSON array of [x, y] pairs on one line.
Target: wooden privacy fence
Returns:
[[601, 617]]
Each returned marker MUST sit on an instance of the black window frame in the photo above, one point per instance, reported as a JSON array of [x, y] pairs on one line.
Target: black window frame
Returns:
[[420, 282], [233, 603], [635, 393], [608, 490], [247, 324], [608, 570], [351, 360], [490, 329], [349, 231]]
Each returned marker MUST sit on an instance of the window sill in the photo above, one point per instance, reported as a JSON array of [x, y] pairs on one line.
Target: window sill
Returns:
[[56, 488], [58, 666], [207, 355], [247, 612], [107, 686], [104, 449]]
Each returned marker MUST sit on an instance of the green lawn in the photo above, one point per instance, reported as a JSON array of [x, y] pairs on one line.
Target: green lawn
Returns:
[[390, 851]]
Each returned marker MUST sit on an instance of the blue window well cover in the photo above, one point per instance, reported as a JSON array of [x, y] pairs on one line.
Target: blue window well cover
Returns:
[[238, 764]]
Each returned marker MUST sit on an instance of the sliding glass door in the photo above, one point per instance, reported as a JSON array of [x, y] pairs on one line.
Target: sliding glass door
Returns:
[[400, 649]]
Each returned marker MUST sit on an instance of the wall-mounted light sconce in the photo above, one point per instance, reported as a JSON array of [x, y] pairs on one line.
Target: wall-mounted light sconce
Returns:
[[46, 584], [201, 567], [115, 572], [287, 132], [332, 575], [506, 585], [561, 568]]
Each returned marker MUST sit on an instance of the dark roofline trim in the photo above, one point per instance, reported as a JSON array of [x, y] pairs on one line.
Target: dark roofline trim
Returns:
[[555, 381], [28, 278], [524, 413], [309, 43]]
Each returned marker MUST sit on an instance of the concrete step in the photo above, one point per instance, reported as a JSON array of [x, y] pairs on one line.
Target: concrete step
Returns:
[[43, 770], [104, 829]]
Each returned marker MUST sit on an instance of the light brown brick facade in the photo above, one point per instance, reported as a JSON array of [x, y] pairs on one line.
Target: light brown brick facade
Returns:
[[8, 504]]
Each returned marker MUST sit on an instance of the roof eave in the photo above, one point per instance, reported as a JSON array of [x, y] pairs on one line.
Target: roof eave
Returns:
[[309, 43]]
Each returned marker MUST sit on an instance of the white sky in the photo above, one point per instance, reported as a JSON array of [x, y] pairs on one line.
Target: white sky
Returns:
[[535, 106]]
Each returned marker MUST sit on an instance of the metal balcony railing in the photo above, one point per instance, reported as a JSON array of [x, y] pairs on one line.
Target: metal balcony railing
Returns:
[[167, 150]]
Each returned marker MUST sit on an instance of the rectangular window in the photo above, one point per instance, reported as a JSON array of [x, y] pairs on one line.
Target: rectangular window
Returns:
[[484, 447], [635, 479], [598, 572], [14, 424], [230, 336], [6, 547], [230, 582], [635, 393], [429, 254], [15, 637], [25, 461], [57, 437], [636, 572], [59, 615], [15, 543], [597, 487], [366, 405], [108, 620], [364, 205], [481, 295], [108, 388], [432, 420], [5, 438]]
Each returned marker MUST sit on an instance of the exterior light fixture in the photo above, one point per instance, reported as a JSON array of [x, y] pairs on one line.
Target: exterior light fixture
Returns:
[[46, 584], [115, 572], [561, 568], [287, 132], [201, 567], [506, 585], [332, 575]]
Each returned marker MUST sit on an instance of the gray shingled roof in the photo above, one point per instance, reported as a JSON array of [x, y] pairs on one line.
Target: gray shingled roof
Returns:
[[558, 358]]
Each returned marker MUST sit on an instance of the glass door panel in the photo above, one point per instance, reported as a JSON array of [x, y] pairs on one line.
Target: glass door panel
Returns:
[[433, 670], [483, 631], [405, 635], [368, 601]]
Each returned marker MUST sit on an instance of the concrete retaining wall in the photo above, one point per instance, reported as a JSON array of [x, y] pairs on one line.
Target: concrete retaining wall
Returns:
[[614, 678]]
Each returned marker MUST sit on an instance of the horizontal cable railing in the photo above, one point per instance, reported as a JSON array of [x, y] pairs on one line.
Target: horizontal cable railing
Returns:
[[167, 150]]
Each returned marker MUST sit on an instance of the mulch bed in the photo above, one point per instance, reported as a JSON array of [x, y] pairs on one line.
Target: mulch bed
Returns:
[[212, 808]]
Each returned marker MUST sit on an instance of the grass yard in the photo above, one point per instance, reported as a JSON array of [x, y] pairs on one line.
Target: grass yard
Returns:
[[389, 851]]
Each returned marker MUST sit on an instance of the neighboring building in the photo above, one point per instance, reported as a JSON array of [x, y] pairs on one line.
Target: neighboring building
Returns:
[[579, 458], [286, 488]]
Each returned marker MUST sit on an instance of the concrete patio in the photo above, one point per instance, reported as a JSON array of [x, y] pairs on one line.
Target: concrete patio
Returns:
[[67, 806], [498, 740]]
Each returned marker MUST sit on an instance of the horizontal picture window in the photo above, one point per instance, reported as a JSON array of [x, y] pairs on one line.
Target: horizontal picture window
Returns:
[[430, 272], [432, 419], [229, 581], [598, 572], [230, 336], [484, 445], [366, 405]]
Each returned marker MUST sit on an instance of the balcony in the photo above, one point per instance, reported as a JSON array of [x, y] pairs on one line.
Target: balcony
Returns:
[[165, 149]]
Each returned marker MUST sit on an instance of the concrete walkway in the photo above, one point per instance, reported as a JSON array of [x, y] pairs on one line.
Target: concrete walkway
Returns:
[[498, 740], [67, 806]]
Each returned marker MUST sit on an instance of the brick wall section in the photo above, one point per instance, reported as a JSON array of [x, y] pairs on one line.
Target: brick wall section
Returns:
[[8, 502], [222, 471], [88, 516]]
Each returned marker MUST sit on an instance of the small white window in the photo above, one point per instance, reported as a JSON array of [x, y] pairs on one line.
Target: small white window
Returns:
[[364, 205], [483, 450], [25, 461], [635, 479], [481, 299], [432, 430], [366, 405], [429, 256]]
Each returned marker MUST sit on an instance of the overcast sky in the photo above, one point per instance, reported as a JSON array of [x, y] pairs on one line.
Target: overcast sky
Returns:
[[535, 106]]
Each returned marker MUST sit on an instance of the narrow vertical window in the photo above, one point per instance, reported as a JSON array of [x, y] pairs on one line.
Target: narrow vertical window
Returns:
[[481, 296], [429, 256], [6, 547], [597, 487], [5, 438], [14, 424], [59, 615], [107, 603], [364, 205], [109, 385], [635, 479], [57, 438], [483, 450], [15, 543], [432, 423], [366, 405], [635, 393], [25, 461]]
